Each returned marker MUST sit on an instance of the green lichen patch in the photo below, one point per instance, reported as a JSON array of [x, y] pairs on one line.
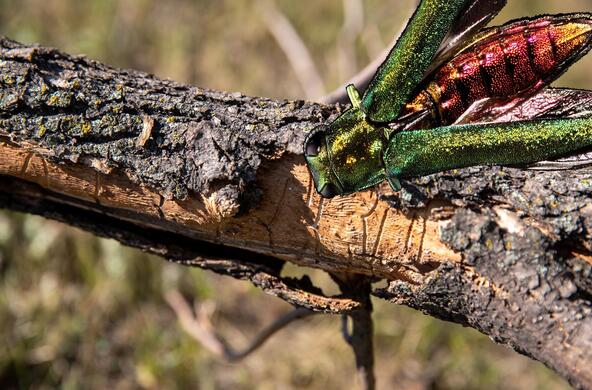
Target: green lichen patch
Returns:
[[42, 129], [107, 121], [8, 80], [119, 93], [85, 128], [60, 99]]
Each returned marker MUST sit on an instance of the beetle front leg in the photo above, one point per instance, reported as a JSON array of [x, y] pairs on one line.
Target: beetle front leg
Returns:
[[394, 183]]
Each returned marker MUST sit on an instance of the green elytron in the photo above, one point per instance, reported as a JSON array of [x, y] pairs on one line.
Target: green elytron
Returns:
[[431, 104]]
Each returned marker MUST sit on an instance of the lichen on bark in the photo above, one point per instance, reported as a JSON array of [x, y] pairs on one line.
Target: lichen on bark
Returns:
[[212, 142]]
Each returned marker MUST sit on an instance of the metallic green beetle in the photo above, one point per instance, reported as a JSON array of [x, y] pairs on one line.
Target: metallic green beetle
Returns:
[[443, 62]]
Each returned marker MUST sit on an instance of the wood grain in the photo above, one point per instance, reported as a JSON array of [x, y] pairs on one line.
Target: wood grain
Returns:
[[358, 233]]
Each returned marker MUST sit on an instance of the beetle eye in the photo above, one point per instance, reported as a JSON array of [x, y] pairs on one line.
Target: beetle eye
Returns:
[[313, 144], [329, 190]]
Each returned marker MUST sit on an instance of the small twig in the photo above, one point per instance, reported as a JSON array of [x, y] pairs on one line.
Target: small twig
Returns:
[[360, 80], [353, 24], [345, 330], [198, 326], [361, 335], [294, 48], [362, 341], [299, 292]]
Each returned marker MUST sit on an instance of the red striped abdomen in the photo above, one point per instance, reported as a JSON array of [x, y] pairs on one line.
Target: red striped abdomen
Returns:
[[511, 60]]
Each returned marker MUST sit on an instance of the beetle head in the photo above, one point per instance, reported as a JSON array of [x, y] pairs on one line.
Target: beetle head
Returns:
[[318, 159], [345, 156]]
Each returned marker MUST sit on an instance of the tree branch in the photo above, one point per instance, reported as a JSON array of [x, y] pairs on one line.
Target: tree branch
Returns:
[[217, 180], [294, 48], [361, 335], [198, 326]]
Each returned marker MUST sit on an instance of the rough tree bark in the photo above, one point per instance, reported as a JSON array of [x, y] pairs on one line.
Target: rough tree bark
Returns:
[[217, 180]]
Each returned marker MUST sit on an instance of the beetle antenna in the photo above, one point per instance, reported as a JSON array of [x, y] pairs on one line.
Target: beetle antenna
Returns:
[[354, 96]]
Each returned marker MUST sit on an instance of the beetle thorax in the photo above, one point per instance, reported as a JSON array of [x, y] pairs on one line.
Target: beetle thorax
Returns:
[[355, 149]]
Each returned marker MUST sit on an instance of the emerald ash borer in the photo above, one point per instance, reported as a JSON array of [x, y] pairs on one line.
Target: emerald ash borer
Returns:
[[432, 104]]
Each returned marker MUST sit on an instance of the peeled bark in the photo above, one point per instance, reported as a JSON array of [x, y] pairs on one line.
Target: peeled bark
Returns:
[[217, 180]]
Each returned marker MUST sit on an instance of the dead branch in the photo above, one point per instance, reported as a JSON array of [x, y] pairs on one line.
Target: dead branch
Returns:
[[197, 324], [217, 180], [363, 77], [294, 48], [353, 24], [360, 80], [361, 335]]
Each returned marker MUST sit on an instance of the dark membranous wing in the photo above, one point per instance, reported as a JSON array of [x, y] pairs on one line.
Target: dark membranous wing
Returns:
[[555, 103], [551, 103], [583, 160]]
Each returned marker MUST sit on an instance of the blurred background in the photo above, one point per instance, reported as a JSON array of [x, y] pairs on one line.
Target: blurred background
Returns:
[[81, 312]]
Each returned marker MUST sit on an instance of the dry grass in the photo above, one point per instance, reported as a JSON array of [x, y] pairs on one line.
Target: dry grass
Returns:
[[81, 312]]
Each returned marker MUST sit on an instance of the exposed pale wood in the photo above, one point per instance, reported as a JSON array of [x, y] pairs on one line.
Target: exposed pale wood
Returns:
[[358, 233]]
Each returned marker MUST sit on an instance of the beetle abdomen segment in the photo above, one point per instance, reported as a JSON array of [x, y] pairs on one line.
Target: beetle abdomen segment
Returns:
[[519, 58]]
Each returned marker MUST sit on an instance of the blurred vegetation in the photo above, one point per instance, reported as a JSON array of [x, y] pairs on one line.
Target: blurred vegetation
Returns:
[[81, 312]]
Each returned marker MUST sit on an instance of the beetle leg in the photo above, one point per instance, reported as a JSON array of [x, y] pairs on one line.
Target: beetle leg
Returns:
[[488, 110], [394, 183]]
